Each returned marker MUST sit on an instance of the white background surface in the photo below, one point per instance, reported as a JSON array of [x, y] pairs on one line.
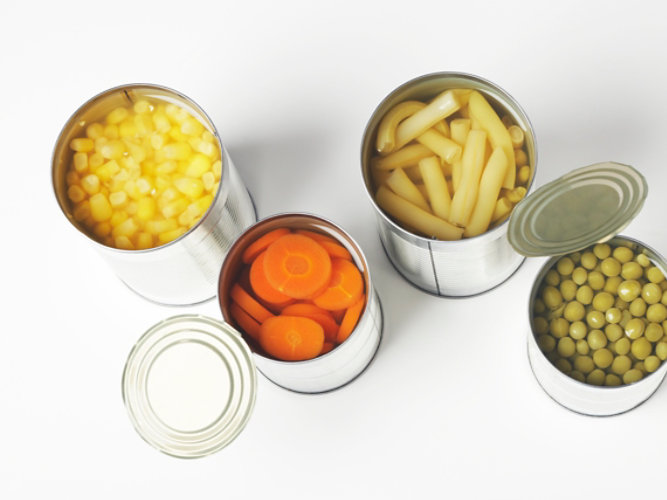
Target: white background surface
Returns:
[[450, 407]]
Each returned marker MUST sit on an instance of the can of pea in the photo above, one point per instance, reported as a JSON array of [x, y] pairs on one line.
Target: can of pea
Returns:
[[141, 172], [442, 224], [598, 306]]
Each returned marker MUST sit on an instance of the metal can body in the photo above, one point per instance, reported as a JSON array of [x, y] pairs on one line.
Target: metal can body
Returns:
[[578, 396], [447, 268], [185, 270], [346, 361]]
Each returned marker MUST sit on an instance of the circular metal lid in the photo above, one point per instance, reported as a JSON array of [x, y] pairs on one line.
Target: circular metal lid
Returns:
[[586, 206], [189, 385]]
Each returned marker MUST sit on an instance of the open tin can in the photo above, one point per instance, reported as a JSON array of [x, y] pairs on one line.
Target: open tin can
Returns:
[[447, 268], [182, 271], [585, 207], [189, 383]]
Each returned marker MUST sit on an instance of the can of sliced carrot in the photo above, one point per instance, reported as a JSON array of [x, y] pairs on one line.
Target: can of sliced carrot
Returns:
[[445, 157], [298, 288]]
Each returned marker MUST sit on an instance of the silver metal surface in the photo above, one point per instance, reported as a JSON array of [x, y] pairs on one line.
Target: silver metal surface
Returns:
[[585, 398], [184, 271], [346, 361], [447, 268]]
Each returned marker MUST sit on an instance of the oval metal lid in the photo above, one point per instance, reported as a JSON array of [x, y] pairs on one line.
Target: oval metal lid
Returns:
[[189, 385], [586, 206]]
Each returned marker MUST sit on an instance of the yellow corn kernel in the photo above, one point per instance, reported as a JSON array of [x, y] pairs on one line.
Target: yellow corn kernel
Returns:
[[127, 129], [108, 241], [177, 136], [100, 142], [94, 130], [75, 193], [161, 122], [126, 228], [205, 147], [118, 198], [95, 160], [192, 188], [198, 165], [216, 168], [175, 113], [161, 183], [113, 167], [80, 162], [137, 153], [170, 235], [178, 151], [144, 241], [146, 208], [118, 217], [133, 168], [142, 107], [169, 194], [198, 207], [520, 157], [100, 208], [111, 132], [103, 173], [81, 210], [102, 229], [144, 185], [191, 126], [207, 136], [209, 181], [186, 218], [166, 167], [174, 208], [143, 124], [524, 174], [72, 178], [132, 208], [117, 115], [82, 144], [113, 150], [159, 155], [148, 167], [123, 242], [90, 184], [157, 140], [132, 190], [161, 226]]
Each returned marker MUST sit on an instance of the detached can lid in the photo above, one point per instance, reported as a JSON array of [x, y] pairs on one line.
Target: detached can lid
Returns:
[[189, 385], [586, 206]]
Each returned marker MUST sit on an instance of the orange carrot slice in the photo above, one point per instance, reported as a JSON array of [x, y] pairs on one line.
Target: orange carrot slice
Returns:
[[249, 304], [319, 237], [297, 265], [245, 322], [291, 338], [350, 320], [328, 346], [261, 244], [336, 250], [322, 316], [345, 287], [261, 286]]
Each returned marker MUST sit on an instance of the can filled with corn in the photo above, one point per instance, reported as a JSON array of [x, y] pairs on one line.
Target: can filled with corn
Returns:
[[140, 170], [445, 157]]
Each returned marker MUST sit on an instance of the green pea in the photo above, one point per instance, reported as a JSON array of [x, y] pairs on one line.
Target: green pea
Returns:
[[565, 266], [653, 332], [552, 297], [595, 319], [629, 290], [621, 304], [574, 311], [603, 301], [623, 254], [568, 289], [610, 267], [651, 293], [584, 364], [632, 271], [579, 275], [578, 330], [612, 380], [625, 317], [602, 250], [585, 294], [634, 328], [596, 280], [641, 348], [589, 260], [652, 363], [663, 301], [540, 325], [577, 375], [603, 358], [654, 275], [611, 285], [642, 260], [596, 339], [582, 347], [559, 327], [613, 332], [663, 285], [620, 365], [661, 350], [552, 278], [656, 313], [637, 307], [639, 365], [546, 343], [632, 376], [576, 257], [566, 347], [596, 377], [613, 315], [538, 306], [621, 346], [564, 365]]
